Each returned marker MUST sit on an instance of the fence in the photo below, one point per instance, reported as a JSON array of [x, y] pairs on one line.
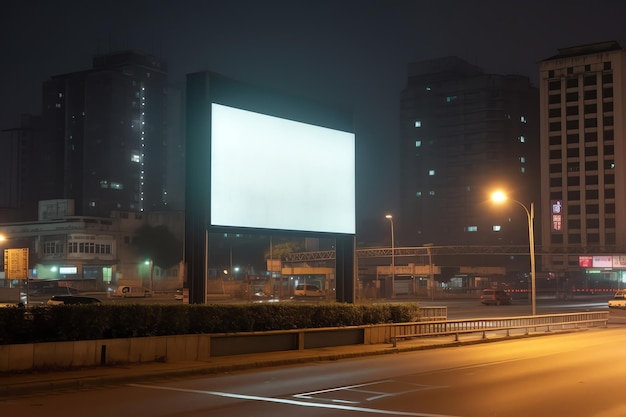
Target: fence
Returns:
[[457, 327]]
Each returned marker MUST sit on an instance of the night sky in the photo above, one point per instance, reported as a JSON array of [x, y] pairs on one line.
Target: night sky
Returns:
[[349, 53]]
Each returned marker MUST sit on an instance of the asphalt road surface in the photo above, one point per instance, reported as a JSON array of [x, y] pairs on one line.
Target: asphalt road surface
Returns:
[[575, 375]]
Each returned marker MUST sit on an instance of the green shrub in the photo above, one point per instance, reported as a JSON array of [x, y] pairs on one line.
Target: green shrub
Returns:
[[108, 321]]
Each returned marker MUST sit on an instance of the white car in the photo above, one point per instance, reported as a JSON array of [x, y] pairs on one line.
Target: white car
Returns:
[[619, 300]]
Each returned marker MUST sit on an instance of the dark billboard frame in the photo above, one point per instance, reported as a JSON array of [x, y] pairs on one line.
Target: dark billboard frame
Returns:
[[203, 89]]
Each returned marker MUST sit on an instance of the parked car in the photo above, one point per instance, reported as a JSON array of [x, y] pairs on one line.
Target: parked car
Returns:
[[495, 297], [618, 300], [49, 287], [308, 290], [72, 299]]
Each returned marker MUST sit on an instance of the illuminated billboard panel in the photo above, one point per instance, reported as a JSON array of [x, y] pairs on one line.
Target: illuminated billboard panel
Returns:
[[269, 161], [272, 173]]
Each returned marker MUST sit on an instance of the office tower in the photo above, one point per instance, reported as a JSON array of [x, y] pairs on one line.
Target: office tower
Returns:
[[464, 134], [582, 92], [20, 181], [106, 147]]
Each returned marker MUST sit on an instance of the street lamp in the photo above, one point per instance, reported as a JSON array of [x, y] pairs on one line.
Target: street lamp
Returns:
[[431, 275], [393, 259], [150, 264], [500, 197]]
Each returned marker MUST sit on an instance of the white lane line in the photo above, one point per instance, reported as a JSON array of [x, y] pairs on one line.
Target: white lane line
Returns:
[[347, 387], [375, 395], [291, 402]]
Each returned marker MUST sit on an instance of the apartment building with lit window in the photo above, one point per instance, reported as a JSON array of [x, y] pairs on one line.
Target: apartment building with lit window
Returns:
[[464, 134], [583, 151], [106, 147]]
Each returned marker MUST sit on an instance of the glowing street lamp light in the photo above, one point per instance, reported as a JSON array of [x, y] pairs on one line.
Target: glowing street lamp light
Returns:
[[150, 264], [500, 197], [393, 259]]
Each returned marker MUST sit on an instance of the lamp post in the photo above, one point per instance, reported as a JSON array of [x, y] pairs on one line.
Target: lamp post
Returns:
[[499, 197], [393, 259], [431, 275], [150, 264]]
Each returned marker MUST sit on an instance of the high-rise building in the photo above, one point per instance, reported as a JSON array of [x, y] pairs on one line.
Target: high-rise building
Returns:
[[465, 134], [106, 148], [583, 150], [20, 184]]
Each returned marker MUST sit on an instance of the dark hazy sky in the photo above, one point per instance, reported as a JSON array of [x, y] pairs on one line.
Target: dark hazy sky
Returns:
[[353, 53]]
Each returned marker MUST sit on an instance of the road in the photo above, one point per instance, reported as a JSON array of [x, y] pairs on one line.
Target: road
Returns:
[[468, 308], [575, 375]]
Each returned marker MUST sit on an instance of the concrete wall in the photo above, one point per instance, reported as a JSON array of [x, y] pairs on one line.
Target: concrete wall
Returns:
[[201, 347]]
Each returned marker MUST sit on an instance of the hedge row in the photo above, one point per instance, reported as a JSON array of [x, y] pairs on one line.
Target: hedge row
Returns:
[[107, 321]]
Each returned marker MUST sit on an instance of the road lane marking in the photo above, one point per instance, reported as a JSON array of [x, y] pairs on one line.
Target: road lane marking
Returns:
[[369, 388], [291, 402]]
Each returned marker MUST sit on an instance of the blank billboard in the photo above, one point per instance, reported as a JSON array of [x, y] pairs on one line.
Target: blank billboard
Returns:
[[269, 172]]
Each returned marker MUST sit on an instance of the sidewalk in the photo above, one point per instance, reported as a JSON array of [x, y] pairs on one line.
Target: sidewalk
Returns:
[[37, 382]]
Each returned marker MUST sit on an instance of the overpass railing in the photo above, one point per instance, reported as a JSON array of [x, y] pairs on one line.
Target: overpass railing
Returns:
[[547, 322]]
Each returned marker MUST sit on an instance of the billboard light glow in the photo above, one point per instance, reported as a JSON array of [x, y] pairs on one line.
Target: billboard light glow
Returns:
[[269, 172]]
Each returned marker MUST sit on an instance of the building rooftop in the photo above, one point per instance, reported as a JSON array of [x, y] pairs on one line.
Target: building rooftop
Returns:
[[592, 48]]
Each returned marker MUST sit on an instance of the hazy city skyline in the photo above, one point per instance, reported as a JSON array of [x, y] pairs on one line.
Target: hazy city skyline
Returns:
[[349, 53]]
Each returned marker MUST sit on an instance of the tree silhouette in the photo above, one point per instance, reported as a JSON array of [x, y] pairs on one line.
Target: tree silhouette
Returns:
[[281, 249], [159, 244]]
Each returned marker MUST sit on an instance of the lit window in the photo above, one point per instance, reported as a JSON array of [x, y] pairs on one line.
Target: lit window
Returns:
[[431, 193], [117, 186], [450, 99], [472, 228], [57, 105], [427, 88], [92, 204], [507, 116], [104, 184], [522, 139], [418, 194], [522, 119], [431, 172], [418, 143], [135, 158], [418, 123], [522, 159], [496, 228], [60, 95]]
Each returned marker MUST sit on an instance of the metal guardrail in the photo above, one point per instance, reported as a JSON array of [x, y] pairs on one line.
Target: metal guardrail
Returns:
[[433, 313], [456, 327]]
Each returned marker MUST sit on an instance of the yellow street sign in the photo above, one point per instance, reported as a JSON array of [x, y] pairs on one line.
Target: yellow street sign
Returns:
[[16, 263]]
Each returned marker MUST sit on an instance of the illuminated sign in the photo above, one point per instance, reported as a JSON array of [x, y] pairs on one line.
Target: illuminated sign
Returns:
[[556, 210], [585, 261], [68, 270], [16, 263], [309, 187], [619, 261], [602, 261]]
